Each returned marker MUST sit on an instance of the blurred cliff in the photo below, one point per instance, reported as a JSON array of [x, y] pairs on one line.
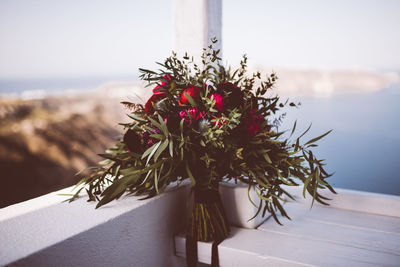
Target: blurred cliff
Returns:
[[44, 142]]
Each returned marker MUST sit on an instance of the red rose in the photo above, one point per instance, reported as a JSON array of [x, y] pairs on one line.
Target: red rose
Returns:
[[193, 92], [157, 90], [219, 101], [149, 106], [158, 94]]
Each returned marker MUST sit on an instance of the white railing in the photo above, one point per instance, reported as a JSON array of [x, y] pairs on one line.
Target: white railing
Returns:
[[130, 232]]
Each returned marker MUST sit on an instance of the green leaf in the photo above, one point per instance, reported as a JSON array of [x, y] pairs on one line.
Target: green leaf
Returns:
[[297, 146], [273, 213], [148, 151], [156, 180], [294, 127], [147, 71], [317, 138], [306, 182], [153, 151], [181, 126], [161, 149], [189, 172], [258, 210], [202, 143], [317, 177], [112, 192], [190, 99], [171, 148], [158, 136], [136, 118], [249, 197], [267, 158], [280, 208], [309, 127], [164, 127], [108, 156], [155, 123], [262, 197]]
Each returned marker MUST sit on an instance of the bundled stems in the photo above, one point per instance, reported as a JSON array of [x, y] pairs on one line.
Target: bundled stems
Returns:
[[207, 222]]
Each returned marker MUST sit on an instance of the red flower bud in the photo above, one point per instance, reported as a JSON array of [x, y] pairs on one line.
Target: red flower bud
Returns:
[[157, 90], [219, 101], [193, 92], [167, 77]]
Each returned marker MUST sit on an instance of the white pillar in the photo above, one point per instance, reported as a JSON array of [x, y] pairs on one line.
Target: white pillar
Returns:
[[196, 22]]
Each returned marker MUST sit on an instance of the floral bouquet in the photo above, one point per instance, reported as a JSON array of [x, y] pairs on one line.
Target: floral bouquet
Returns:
[[209, 124]]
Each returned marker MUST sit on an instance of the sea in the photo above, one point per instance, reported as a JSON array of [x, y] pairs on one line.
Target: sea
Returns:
[[362, 150], [41, 87]]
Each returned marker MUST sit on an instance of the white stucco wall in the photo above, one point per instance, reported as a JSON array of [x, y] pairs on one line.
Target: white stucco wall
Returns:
[[195, 23], [128, 232]]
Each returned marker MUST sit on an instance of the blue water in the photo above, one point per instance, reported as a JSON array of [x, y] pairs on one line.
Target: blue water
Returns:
[[363, 148]]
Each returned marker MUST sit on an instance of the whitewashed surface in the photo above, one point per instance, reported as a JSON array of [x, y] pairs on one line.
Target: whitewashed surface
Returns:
[[337, 235]]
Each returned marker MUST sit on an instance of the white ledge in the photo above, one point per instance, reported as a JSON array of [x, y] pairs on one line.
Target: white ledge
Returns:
[[357, 229], [353, 200], [48, 232], [129, 232]]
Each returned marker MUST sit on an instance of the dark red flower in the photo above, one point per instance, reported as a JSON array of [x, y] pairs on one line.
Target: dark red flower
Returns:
[[132, 141], [254, 122], [172, 122], [148, 140], [193, 92], [191, 114], [232, 94], [219, 101]]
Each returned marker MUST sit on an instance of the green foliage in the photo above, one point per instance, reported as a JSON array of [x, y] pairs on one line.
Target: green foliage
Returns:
[[199, 141]]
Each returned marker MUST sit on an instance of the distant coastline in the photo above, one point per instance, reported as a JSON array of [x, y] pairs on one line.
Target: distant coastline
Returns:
[[17, 87], [291, 82]]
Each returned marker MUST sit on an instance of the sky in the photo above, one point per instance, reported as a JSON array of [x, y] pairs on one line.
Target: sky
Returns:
[[45, 38]]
